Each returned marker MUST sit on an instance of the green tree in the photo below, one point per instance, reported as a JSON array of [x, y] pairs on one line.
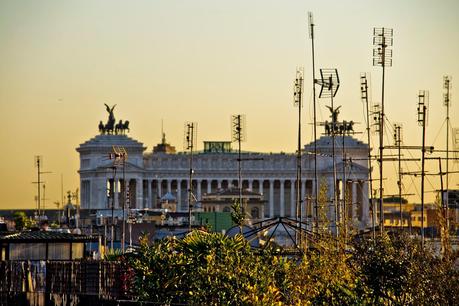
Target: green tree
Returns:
[[21, 220], [396, 270]]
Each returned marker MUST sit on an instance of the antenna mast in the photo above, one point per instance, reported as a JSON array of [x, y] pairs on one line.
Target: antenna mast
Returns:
[[38, 164], [298, 101], [190, 143], [447, 103], [329, 82], [238, 134], [316, 181], [364, 97], [382, 38], [398, 143], [423, 100]]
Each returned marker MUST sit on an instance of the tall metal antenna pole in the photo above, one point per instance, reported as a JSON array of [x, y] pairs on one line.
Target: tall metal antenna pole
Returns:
[[316, 181], [238, 134], [124, 157], [38, 164], [190, 139], [119, 154], [62, 198], [398, 143], [329, 82], [38, 160], [382, 38], [335, 191], [345, 187], [297, 98], [364, 97], [447, 103], [423, 98]]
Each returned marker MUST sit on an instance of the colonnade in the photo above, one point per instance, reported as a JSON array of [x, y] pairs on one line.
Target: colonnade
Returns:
[[280, 194]]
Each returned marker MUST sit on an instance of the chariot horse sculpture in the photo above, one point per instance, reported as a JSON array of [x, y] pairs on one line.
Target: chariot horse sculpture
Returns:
[[110, 126]]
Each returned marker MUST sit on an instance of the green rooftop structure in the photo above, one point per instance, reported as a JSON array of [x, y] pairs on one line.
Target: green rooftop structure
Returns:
[[218, 221]]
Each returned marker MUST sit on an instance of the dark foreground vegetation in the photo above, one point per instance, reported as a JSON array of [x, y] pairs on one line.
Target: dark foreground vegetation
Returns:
[[212, 269]]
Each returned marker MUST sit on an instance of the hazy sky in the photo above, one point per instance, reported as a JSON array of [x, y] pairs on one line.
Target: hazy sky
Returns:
[[202, 61]]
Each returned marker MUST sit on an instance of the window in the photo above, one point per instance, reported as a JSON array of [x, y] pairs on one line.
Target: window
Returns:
[[27, 251], [59, 251], [226, 209], [77, 250]]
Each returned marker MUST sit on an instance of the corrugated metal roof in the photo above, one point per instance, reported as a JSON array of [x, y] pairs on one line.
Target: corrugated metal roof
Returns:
[[28, 236]]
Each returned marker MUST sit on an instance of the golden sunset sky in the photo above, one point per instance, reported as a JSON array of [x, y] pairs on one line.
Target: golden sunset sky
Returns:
[[202, 61]]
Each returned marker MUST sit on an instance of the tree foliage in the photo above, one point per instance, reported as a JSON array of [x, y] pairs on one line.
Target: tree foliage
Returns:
[[213, 269], [21, 220]]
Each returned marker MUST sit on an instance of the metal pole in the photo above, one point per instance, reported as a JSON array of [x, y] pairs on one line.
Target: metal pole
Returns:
[[298, 163], [399, 140], [239, 163], [344, 189], [369, 159], [311, 26], [424, 107], [190, 189], [381, 142], [441, 193], [113, 209], [123, 235], [335, 199], [38, 187], [447, 85]]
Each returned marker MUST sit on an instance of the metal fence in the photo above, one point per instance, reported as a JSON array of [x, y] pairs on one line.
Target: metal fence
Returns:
[[63, 282]]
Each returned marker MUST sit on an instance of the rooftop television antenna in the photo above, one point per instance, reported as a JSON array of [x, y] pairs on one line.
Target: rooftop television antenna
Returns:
[[382, 56], [119, 156], [398, 140], [364, 97], [189, 144], [298, 101], [311, 36], [423, 101], [447, 103], [39, 182], [329, 85], [238, 134]]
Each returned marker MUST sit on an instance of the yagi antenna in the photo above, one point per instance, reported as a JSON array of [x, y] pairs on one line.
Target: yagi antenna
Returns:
[[382, 56]]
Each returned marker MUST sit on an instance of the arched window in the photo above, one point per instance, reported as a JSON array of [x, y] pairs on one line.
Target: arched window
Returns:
[[226, 209]]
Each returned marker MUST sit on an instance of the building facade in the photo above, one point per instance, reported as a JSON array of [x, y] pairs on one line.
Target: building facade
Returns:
[[144, 177]]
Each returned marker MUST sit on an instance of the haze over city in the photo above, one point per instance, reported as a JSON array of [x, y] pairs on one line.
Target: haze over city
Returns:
[[177, 61]]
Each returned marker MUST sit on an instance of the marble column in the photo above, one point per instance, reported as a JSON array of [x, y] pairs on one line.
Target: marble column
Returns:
[[365, 203], [355, 205], [260, 186], [139, 193], [292, 199], [198, 192], [209, 186], [282, 203], [271, 198], [250, 185], [149, 199], [179, 195], [169, 185], [159, 184], [303, 192], [219, 184]]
